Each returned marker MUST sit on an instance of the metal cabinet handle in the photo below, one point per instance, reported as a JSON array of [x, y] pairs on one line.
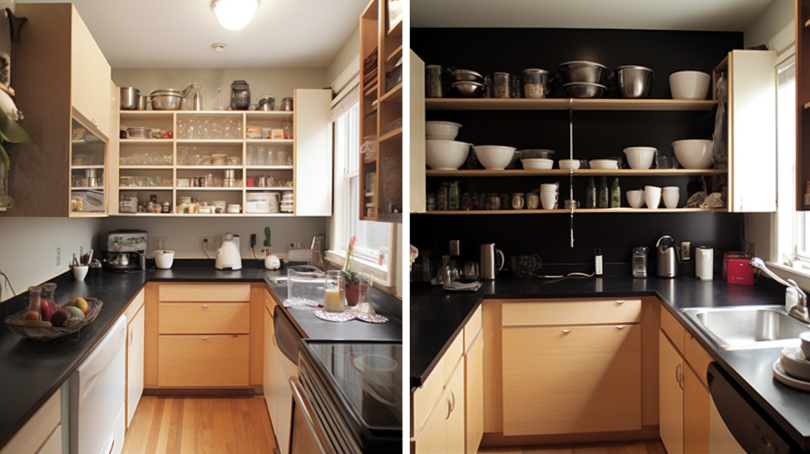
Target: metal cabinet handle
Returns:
[[451, 403], [204, 306], [205, 338], [566, 331], [620, 326], [678, 375], [619, 301]]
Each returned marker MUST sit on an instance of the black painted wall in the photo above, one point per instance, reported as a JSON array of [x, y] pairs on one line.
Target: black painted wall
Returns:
[[596, 135]]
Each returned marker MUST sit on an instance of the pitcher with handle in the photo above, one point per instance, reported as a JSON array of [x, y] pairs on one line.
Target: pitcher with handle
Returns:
[[487, 261]]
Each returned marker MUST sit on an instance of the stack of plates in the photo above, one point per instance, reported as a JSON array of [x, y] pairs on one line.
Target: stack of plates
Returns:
[[793, 368], [287, 202]]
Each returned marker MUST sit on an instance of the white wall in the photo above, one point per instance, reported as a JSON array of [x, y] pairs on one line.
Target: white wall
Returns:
[[277, 82], [775, 17], [28, 248], [348, 52]]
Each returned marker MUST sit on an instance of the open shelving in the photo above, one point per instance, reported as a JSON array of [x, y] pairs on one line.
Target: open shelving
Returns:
[[582, 211]]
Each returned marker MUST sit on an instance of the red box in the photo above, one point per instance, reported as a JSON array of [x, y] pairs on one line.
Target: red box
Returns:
[[740, 272]]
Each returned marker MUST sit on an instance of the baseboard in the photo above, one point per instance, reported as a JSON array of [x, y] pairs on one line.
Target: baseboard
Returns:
[[202, 392], [498, 439]]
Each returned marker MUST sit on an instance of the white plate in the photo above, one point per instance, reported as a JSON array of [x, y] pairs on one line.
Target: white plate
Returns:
[[780, 375], [794, 363]]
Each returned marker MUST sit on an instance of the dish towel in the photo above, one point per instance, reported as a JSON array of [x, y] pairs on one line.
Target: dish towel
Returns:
[[455, 286]]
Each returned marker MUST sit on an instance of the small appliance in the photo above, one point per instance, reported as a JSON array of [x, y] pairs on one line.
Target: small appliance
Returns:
[[164, 259], [487, 261], [667, 257], [640, 261], [228, 256], [704, 263], [240, 95], [126, 250], [740, 272], [732, 255], [128, 205]]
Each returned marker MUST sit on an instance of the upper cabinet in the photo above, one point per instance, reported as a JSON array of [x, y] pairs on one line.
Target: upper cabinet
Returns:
[[63, 86]]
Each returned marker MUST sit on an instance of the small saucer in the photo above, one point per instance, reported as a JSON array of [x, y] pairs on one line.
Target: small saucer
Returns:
[[780, 375]]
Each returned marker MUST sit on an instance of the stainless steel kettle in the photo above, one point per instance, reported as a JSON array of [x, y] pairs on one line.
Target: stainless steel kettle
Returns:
[[667, 257], [487, 261]]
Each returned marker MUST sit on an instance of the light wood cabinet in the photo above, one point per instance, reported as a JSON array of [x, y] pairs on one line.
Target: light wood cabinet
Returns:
[[277, 371], [670, 389], [89, 76], [455, 422], [135, 349], [571, 379], [432, 439], [42, 434], [203, 361], [474, 393], [204, 318], [696, 399]]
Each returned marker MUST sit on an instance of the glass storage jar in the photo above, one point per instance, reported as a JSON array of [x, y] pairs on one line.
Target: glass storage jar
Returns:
[[501, 85], [535, 83]]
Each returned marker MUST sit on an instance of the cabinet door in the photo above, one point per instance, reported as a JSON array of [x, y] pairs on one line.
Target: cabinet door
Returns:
[[54, 443], [454, 396], [213, 360], [89, 76], [566, 380], [313, 153], [417, 134], [474, 394], [270, 367], [670, 392], [135, 349], [433, 437], [286, 370], [696, 400]]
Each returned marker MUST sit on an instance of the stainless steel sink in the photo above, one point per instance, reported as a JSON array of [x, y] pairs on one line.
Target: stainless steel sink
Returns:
[[748, 327], [282, 280]]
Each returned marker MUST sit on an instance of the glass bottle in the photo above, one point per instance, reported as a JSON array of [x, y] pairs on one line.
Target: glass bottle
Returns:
[[615, 194], [441, 197], [604, 196], [453, 196], [590, 196]]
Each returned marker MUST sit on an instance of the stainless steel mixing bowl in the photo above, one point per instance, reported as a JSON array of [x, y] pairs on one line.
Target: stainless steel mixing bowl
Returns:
[[634, 81]]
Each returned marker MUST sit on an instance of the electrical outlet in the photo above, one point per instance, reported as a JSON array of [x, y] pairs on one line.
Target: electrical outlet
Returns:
[[455, 248], [161, 243], [58, 256], [209, 246]]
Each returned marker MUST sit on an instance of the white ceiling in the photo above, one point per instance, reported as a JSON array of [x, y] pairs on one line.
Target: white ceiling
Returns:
[[714, 15], [179, 33]]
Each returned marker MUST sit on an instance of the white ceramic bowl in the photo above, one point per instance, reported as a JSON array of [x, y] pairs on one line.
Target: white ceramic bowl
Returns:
[[446, 154], [80, 271], [570, 163], [652, 197], [795, 363], [694, 153], [164, 259], [640, 157], [537, 163], [494, 157], [689, 84], [441, 130], [635, 198], [604, 164]]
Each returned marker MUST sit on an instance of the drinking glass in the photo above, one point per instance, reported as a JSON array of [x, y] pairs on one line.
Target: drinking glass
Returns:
[[334, 291]]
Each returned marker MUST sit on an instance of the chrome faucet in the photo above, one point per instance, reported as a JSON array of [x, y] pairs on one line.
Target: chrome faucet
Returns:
[[798, 311]]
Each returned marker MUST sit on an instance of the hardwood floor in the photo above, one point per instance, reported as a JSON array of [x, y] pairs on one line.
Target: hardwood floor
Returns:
[[200, 425], [636, 447]]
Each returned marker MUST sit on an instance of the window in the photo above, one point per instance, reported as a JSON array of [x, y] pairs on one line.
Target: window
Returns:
[[374, 239]]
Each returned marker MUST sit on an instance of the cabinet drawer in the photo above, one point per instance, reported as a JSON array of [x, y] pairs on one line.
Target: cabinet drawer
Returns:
[[204, 318], [567, 380], [203, 361], [571, 312], [471, 328], [204, 292], [673, 329], [424, 397]]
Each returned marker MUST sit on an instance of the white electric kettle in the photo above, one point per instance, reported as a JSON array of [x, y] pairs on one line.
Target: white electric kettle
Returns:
[[228, 256]]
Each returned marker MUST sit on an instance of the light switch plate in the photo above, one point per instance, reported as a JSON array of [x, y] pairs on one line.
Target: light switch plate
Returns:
[[686, 251], [455, 248]]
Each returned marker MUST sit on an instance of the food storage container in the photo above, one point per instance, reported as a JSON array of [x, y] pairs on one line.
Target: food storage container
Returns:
[[306, 285], [434, 81], [501, 85], [139, 133], [254, 132], [535, 83], [369, 147], [219, 159]]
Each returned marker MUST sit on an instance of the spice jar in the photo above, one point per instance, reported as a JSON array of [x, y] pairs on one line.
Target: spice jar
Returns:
[[532, 201], [518, 201], [501, 85], [434, 81], [167, 208], [441, 197], [466, 201], [453, 196], [535, 82]]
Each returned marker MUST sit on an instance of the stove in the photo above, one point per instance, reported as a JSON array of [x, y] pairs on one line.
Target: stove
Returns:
[[348, 397]]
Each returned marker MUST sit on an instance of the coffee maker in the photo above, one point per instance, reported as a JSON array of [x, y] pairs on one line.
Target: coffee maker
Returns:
[[126, 250]]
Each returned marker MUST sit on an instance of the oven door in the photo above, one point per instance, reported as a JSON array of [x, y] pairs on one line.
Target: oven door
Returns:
[[308, 436]]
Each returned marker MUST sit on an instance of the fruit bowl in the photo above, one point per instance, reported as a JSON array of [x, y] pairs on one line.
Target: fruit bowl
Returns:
[[17, 323]]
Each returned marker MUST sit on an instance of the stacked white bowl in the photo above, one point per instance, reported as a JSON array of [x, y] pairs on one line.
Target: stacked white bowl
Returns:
[[652, 196], [442, 151], [548, 196]]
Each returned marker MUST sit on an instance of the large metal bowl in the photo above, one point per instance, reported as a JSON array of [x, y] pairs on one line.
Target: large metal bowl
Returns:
[[168, 99], [467, 89], [583, 71], [584, 90], [461, 75], [634, 81]]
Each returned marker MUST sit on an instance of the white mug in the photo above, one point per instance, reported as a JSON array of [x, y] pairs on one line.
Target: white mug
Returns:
[[672, 195], [652, 195], [548, 187], [79, 272], [635, 198], [549, 199]]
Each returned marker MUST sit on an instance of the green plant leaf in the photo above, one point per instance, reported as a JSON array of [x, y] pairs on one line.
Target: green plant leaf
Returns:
[[11, 131], [4, 158]]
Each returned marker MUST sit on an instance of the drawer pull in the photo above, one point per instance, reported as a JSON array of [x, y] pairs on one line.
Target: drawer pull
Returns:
[[451, 403], [205, 338], [619, 301], [566, 331], [205, 306], [620, 326]]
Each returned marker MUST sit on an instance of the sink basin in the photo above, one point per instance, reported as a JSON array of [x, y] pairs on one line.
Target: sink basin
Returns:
[[749, 327], [282, 280]]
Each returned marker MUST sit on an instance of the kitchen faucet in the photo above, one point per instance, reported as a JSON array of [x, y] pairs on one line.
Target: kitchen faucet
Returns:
[[798, 311]]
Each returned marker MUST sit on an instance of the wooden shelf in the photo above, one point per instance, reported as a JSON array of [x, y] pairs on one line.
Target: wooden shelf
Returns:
[[584, 211], [209, 167], [270, 141], [397, 133], [373, 112], [579, 172], [269, 167], [221, 113], [269, 215], [392, 57], [394, 92], [563, 104], [144, 188], [372, 90], [807, 23], [396, 31], [87, 167], [268, 114], [85, 188], [146, 142], [276, 188], [198, 188], [145, 167], [370, 161], [144, 115], [807, 105], [209, 142], [153, 215]]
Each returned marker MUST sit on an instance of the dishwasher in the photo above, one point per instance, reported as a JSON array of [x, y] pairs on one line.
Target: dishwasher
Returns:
[[738, 425], [97, 388]]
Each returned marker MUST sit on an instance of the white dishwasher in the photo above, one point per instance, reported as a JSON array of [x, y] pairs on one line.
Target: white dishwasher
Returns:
[[97, 389]]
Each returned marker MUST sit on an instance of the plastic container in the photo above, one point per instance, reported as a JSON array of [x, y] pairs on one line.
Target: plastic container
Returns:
[[306, 285], [164, 259], [535, 83]]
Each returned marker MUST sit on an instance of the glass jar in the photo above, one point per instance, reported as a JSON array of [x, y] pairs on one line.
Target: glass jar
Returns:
[[493, 201], [333, 301], [167, 207], [34, 300], [480, 201], [518, 201], [532, 201], [535, 82], [501, 85], [49, 292], [442, 196], [453, 198], [434, 81], [240, 95], [466, 201], [430, 204]]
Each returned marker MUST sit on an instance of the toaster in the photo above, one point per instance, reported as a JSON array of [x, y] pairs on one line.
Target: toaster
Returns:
[[740, 272], [128, 205]]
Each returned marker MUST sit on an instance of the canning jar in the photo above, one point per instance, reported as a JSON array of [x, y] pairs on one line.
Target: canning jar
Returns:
[[442, 196], [501, 85], [535, 83], [518, 201], [453, 196], [493, 201], [434, 81], [533, 201]]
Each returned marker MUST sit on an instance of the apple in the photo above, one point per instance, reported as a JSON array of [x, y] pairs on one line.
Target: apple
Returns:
[[79, 302], [60, 317], [47, 308], [31, 315]]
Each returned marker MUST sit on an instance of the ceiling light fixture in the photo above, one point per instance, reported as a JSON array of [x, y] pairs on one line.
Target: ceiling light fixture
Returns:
[[219, 47], [234, 14]]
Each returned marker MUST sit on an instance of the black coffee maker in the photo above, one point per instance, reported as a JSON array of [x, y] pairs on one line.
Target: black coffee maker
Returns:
[[126, 250]]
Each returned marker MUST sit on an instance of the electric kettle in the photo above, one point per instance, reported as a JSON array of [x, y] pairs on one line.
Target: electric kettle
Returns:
[[667, 257], [487, 261], [228, 256]]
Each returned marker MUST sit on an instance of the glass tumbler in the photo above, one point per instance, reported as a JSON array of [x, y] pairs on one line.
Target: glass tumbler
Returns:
[[334, 291], [34, 300]]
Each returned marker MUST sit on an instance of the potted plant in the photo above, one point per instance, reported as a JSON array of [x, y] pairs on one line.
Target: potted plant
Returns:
[[350, 277]]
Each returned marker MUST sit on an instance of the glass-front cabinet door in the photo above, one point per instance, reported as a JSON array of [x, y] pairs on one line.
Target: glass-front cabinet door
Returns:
[[88, 167]]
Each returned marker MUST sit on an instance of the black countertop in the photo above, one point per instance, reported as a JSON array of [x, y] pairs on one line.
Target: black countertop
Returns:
[[438, 316], [30, 373]]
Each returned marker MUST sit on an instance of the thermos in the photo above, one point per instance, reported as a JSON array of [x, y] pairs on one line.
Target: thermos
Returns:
[[487, 261], [704, 267], [667, 257]]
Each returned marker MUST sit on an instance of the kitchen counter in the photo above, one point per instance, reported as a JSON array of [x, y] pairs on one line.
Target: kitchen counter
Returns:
[[438, 316], [32, 372]]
